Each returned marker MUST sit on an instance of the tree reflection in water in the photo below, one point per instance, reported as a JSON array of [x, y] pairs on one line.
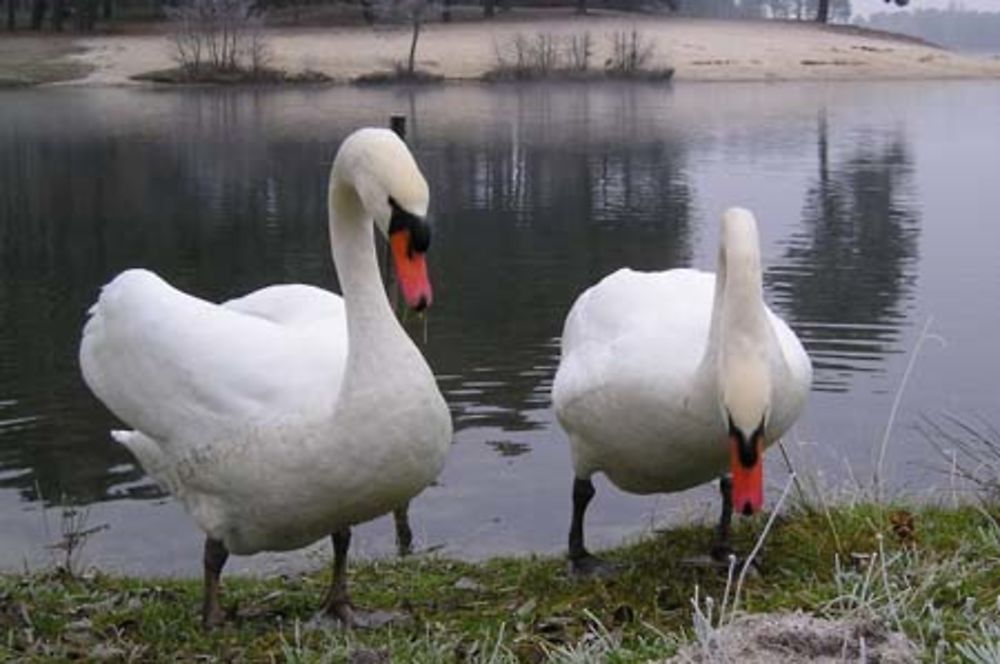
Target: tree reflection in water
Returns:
[[225, 198], [847, 277]]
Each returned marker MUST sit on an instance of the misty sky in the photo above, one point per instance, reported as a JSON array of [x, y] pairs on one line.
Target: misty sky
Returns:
[[866, 7]]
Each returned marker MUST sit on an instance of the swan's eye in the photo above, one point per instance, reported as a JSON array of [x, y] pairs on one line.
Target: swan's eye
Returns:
[[747, 447], [420, 236], [419, 229]]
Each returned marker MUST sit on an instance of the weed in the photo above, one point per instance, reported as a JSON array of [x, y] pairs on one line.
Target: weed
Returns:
[[630, 53], [546, 56]]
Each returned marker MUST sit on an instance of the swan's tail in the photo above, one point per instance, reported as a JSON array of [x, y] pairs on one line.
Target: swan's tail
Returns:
[[149, 455], [123, 437]]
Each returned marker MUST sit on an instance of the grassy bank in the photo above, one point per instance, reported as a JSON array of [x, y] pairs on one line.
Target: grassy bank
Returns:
[[30, 60], [937, 579]]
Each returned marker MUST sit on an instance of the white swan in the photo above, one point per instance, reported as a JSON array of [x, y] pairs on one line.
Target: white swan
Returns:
[[288, 414], [667, 378]]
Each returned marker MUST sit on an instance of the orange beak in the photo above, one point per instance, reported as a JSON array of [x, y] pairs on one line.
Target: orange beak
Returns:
[[411, 268], [748, 483]]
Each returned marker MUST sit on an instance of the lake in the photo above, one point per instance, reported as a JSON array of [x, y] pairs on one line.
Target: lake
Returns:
[[877, 202]]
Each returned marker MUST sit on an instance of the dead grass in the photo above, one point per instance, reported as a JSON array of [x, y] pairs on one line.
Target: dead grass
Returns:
[[935, 581], [32, 60]]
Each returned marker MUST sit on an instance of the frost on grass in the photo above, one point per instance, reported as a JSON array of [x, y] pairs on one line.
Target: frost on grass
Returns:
[[793, 638]]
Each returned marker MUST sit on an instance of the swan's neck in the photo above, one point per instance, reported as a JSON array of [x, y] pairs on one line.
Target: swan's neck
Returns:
[[372, 329], [736, 360]]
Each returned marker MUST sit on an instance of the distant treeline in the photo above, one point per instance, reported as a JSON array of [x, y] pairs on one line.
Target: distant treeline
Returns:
[[954, 28], [840, 10], [84, 15]]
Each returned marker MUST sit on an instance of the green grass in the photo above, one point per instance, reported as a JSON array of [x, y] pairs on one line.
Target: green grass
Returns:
[[939, 582], [31, 60]]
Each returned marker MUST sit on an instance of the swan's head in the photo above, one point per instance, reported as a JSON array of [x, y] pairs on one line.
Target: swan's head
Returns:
[[377, 167], [746, 414], [745, 375]]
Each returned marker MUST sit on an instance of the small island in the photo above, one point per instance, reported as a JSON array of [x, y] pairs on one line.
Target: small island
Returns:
[[519, 44]]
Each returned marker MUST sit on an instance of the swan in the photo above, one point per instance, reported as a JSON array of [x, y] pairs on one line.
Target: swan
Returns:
[[291, 413], [667, 378]]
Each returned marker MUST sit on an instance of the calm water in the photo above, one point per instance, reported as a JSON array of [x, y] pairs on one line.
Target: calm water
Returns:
[[877, 203]]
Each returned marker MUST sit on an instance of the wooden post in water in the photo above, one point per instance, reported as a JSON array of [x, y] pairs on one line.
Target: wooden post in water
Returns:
[[401, 515], [398, 124]]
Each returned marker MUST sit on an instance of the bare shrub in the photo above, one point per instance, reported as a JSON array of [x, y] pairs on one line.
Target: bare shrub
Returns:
[[544, 52], [75, 531], [630, 52], [579, 50], [256, 51], [545, 55], [521, 52], [528, 57], [217, 35]]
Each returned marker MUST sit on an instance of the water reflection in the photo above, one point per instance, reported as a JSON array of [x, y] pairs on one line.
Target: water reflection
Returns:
[[536, 193], [847, 276], [527, 220], [197, 207], [221, 202]]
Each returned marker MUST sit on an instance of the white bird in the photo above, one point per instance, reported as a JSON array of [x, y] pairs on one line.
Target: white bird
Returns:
[[291, 413], [666, 378]]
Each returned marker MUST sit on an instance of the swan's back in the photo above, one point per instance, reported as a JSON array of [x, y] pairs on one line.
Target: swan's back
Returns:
[[631, 327], [630, 388], [182, 370]]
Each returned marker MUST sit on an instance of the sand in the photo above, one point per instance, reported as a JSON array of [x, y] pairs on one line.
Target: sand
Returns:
[[698, 49], [796, 638]]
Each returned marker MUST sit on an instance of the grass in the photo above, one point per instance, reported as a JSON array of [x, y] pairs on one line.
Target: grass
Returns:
[[937, 579], [206, 75], [398, 75], [31, 60]]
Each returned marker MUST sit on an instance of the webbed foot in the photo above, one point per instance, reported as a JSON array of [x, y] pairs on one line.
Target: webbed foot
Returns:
[[589, 566]]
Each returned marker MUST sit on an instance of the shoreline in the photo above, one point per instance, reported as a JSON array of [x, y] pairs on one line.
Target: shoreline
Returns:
[[466, 51], [885, 563]]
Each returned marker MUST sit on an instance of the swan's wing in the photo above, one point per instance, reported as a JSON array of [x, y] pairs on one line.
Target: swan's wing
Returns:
[[293, 305], [626, 330], [794, 371], [185, 371]]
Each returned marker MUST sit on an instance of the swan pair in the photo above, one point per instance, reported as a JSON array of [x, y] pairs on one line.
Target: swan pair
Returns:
[[291, 413]]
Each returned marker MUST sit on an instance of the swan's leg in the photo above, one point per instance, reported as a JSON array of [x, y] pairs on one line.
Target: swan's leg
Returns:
[[404, 536], [338, 602], [214, 559], [581, 561], [722, 546]]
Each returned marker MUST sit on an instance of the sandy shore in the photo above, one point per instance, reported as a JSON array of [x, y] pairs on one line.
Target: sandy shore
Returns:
[[706, 50]]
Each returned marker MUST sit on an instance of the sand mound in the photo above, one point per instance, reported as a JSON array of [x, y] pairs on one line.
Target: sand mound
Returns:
[[795, 638], [697, 49]]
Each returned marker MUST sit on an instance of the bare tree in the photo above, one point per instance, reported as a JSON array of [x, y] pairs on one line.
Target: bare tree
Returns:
[[58, 14], [630, 52], [413, 13], [823, 12], [416, 12], [38, 10], [579, 51], [217, 36]]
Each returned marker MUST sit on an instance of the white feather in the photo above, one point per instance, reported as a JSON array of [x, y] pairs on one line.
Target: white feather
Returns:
[[638, 390], [264, 416]]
